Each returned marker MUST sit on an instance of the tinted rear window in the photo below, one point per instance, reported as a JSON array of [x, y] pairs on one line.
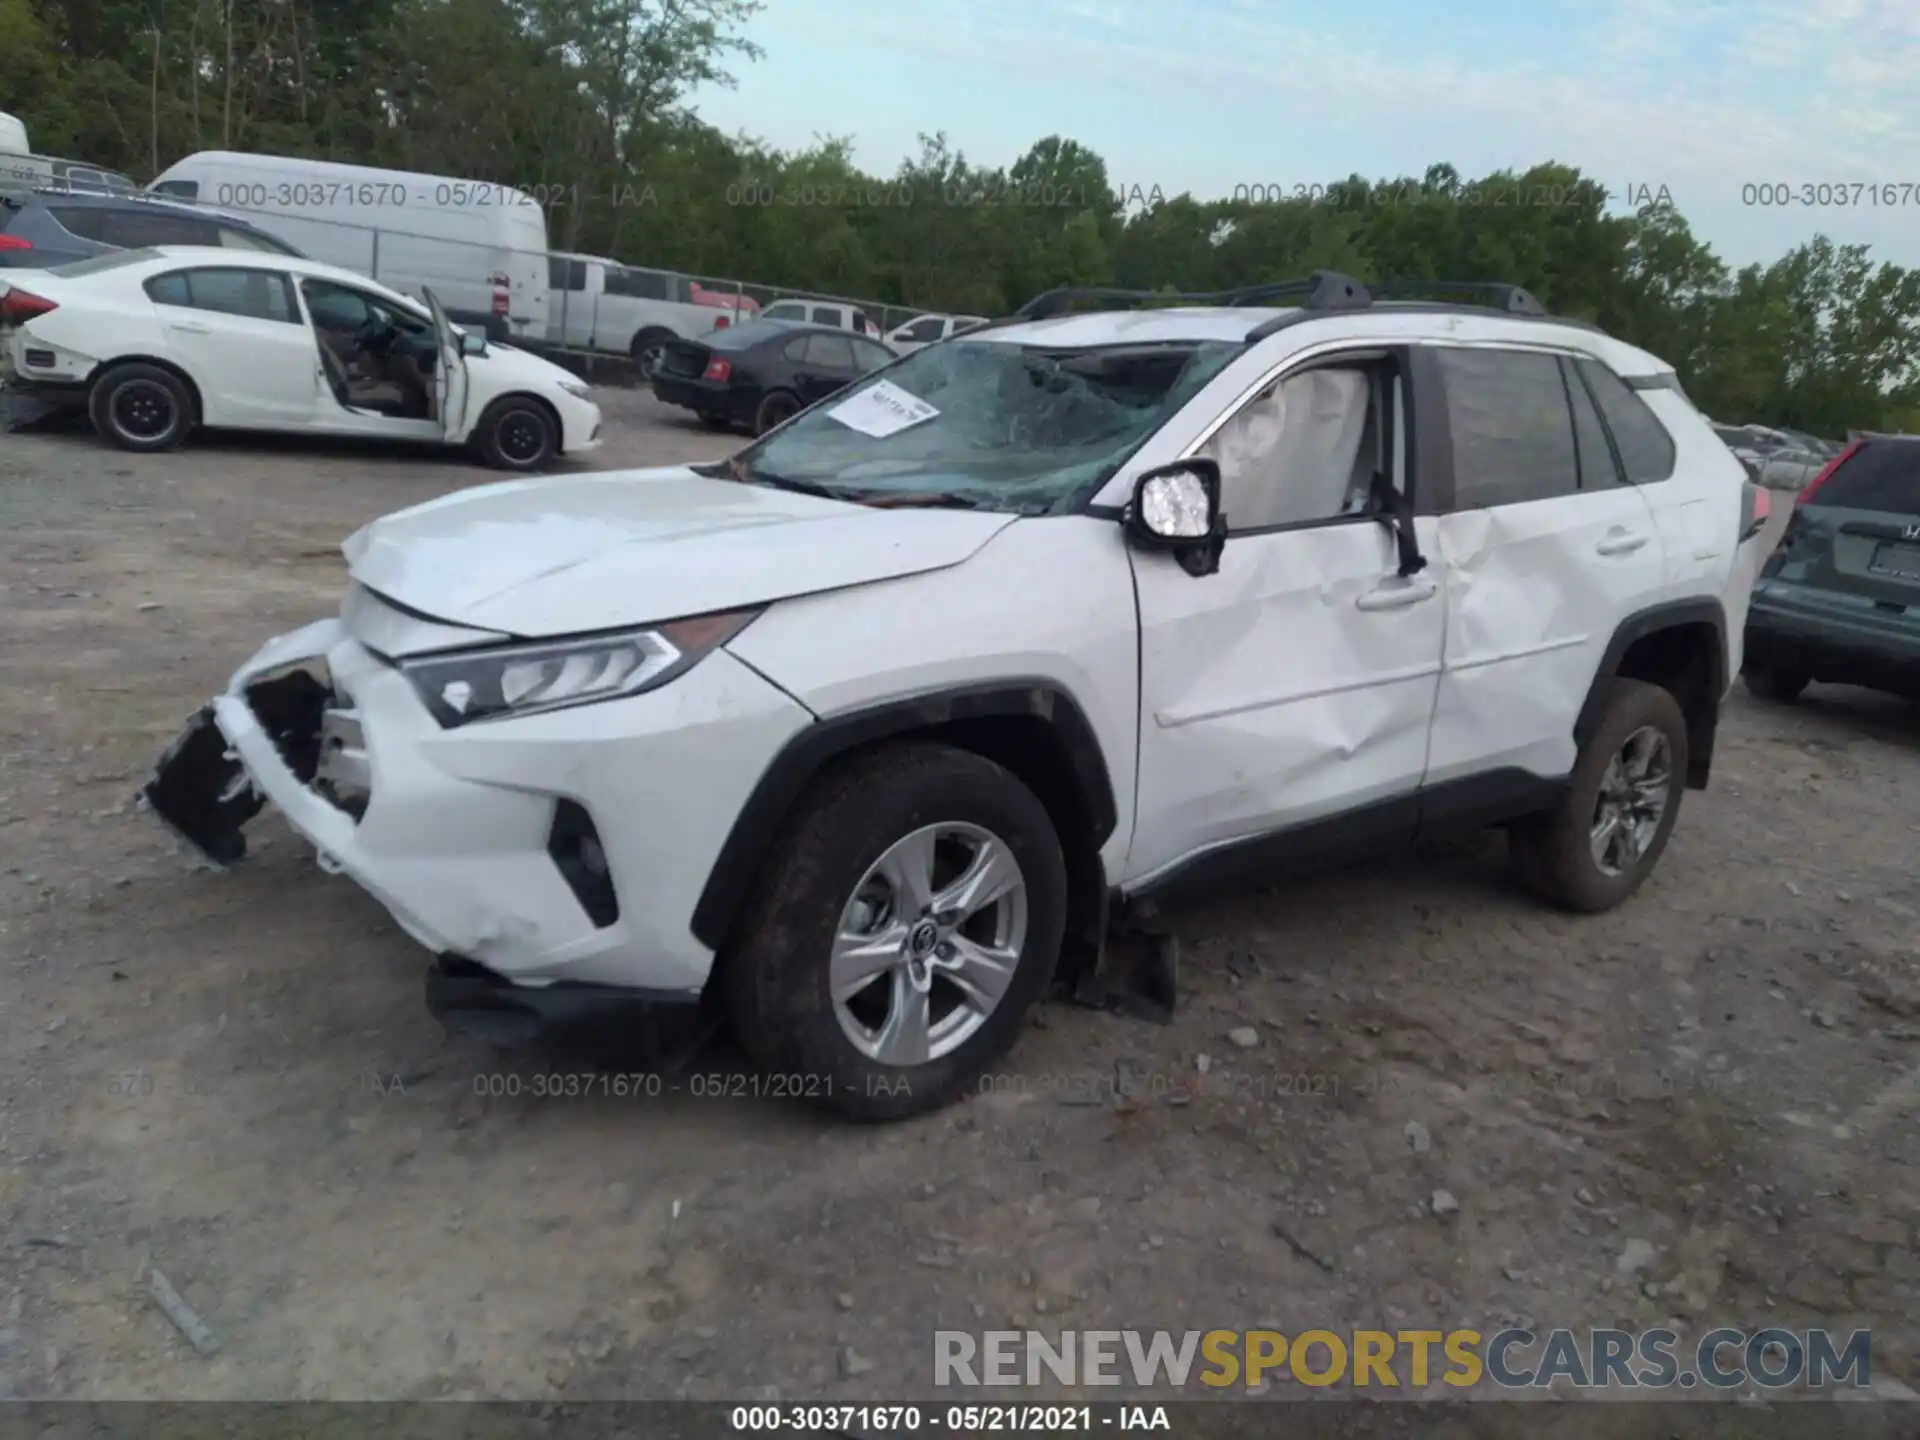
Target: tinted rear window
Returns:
[[1881, 475], [745, 337]]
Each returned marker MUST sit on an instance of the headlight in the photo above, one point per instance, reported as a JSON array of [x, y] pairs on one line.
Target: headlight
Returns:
[[576, 388], [462, 686]]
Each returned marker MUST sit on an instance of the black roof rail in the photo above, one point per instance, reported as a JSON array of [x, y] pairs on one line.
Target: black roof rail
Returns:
[[1491, 294], [1324, 290]]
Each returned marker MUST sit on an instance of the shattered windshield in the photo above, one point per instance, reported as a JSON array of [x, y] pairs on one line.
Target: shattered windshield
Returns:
[[986, 424]]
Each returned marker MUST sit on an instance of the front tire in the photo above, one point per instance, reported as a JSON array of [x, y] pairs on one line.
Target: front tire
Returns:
[[911, 916], [1773, 682], [1601, 841], [142, 408], [516, 434]]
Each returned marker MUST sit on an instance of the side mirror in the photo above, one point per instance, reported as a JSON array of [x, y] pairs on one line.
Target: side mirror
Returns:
[[1177, 508], [471, 344]]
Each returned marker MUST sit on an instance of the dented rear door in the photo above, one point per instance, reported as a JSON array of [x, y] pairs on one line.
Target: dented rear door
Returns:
[[1545, 550]]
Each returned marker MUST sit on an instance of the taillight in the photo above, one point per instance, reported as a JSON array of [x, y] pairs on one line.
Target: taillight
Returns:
[[14, 242], [1756, 505], [19, 306], [717, 369], [502, 301], [723, 322], [1806, 495]]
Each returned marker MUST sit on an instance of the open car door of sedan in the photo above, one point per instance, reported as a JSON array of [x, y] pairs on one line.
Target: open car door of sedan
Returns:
[[450, 376]]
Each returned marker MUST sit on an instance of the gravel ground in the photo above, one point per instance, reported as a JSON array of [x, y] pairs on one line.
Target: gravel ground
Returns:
[[1700, 1108]]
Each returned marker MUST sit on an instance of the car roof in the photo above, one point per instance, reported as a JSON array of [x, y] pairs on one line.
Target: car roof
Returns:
[[289, 264], [1383, 320], [122, 199]]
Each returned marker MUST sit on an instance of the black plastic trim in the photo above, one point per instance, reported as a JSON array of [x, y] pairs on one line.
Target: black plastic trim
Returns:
[[761, 818], [1429, 432], [1469, 803], [469, 999], [1638, 626]]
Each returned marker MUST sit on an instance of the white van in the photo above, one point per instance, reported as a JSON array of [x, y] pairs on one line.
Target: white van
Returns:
[[13, 136], [481, 247], [597, 303]]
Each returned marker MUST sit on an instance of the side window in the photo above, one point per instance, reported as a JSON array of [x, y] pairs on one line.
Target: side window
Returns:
[[926, 329], [795, 349], [828, 315], [1512, 433], [1597, 468], [234, 239], [830, 352], [136, 229], [870, 356], [253, 294], [785, 310], [1299, 451], [169, 289], [185, 189], [1646, 449], [637, 284], [84, 221], [334, 307]]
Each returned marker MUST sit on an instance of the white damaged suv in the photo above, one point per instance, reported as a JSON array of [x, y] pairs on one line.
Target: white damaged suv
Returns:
[[859, 736]]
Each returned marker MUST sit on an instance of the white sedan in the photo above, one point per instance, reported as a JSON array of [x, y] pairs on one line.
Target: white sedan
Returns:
[[156, 342]]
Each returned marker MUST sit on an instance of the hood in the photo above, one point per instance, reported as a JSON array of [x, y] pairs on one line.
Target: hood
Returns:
[[518, 367], [601, 551]]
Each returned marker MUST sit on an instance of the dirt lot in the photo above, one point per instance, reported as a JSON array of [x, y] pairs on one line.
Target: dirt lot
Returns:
[[233, 1078]]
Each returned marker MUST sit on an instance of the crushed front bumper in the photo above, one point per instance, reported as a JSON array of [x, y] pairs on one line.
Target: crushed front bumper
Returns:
[[464, 834]]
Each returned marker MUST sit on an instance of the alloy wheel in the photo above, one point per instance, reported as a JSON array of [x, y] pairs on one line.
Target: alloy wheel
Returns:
[[928, 943], [143, 411], [1635, 790]]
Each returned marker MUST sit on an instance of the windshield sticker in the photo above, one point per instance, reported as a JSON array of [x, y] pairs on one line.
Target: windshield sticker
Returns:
[[882, 409]]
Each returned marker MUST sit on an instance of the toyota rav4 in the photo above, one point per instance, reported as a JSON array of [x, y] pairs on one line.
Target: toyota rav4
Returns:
[[860, 736]]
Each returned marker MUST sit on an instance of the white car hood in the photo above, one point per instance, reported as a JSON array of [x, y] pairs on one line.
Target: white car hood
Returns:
[[501, 369], [600, 551]]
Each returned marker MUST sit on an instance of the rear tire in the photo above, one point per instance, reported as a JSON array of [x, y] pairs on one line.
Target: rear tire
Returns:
[[895, 1036], [1772, 682], [516, 433], [647, 349], [142, 408], [1568, 856], [775, 409]]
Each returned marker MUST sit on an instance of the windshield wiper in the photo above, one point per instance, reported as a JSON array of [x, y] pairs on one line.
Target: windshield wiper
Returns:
[[798, 487], [935, 500]]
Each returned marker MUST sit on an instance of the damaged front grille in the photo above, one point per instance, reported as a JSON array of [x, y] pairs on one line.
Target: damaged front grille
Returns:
[[343, 776], [316, 728]]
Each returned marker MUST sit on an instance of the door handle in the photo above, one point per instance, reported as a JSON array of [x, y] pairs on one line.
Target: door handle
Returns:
[[189, 329], [1620, 542], [1397, 595]]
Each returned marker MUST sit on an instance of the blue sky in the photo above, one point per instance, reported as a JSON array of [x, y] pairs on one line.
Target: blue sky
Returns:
[[1704, 97]]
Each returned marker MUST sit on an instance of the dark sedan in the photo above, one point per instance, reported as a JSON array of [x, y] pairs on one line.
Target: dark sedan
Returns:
[[761, 373], [1839, 601]]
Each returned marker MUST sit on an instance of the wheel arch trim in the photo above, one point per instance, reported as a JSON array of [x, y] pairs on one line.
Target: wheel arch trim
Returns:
[[1670, 615], [793, 768]]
